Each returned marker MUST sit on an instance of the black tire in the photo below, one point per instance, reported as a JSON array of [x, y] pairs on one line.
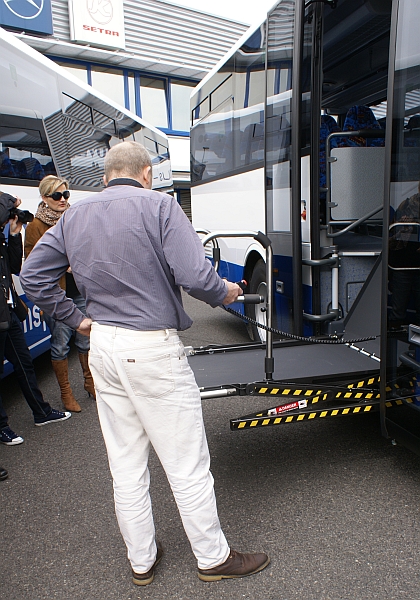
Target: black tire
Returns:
[[257, 285]]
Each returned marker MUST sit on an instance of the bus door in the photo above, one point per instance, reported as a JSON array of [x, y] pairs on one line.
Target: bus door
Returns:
[[282, 126], [324, 196], [400, 371], [292, 131]]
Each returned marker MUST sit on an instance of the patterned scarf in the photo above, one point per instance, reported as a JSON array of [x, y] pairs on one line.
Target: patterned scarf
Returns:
[[47, 215]]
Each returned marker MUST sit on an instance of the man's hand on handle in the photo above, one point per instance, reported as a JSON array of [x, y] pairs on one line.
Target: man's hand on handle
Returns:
[[234, 290]]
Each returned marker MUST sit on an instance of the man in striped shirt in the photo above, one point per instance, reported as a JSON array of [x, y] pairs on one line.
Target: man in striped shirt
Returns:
[[130, 272]]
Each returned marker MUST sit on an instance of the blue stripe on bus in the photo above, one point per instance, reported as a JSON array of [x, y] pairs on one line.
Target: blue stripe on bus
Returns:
[[282, 302]]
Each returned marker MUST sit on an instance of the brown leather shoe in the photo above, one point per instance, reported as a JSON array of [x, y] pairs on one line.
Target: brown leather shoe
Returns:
[[237, 565], [146, 578]]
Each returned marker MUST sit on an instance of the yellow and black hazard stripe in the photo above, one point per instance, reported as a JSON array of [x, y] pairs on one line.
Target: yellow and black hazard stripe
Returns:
[[269, 389], [313, 395], [398, 402], [357, 395], [284, 419], [365, 382], [263, 420]]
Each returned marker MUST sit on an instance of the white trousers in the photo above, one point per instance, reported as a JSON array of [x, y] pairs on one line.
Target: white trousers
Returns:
[[146, 394]]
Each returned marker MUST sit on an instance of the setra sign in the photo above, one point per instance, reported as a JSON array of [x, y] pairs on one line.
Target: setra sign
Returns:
[[97, 22]]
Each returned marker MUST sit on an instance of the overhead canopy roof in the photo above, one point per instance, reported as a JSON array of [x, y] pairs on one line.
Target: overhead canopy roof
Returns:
[[160, 37]]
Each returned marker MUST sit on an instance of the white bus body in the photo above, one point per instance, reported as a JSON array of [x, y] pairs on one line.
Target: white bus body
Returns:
[[52, 123]]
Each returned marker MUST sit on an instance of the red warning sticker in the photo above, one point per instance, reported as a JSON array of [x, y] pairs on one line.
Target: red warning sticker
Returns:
[[286, 407]]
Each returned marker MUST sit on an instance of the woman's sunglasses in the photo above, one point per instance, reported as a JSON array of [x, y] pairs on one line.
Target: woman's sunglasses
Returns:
[[58, 195]]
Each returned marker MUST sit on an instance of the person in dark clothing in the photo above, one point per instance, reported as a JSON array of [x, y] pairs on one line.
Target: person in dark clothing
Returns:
[[404, 260], [13, 345]]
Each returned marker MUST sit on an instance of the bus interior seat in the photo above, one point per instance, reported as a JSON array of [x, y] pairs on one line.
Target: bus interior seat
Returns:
[[328, 125], [33, 168], [49, 168], [20, 169], [6, 166], [361, 117]]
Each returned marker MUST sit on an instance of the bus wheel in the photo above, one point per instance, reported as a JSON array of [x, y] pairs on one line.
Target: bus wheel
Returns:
[[257, 285]]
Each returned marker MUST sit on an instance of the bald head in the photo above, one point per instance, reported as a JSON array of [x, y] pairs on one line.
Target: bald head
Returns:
[[129, 159]]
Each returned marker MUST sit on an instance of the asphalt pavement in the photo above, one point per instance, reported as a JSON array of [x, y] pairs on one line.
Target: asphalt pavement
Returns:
[[334, 504]]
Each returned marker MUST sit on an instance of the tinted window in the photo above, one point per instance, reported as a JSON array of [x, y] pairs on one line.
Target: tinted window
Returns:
[[249, 100], [201, 110], [221, 94], [212, 144], [158, 153], [24, 152], [278, 121]]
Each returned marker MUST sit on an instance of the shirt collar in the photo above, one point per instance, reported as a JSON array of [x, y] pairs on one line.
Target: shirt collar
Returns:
[[124, 181]]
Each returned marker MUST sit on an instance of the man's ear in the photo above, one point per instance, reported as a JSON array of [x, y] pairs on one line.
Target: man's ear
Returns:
[[147, 177]]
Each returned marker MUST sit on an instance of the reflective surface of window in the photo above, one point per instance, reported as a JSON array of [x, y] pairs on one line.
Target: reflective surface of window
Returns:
[[24, 154], [79, 71], [142, 95], [153, 102], [110, 82], [180, 105], [403, 310]]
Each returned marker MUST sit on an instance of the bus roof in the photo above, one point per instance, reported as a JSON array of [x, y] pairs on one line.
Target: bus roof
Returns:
[[228, 55], [7, 38]]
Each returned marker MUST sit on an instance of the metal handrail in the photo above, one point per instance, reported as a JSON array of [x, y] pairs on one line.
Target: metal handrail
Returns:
[[214, 244], [266, 244], [334, 312], [355, 223]]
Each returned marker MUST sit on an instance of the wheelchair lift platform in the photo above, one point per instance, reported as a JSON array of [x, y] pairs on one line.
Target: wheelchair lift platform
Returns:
[[307, 383], [218, 367], [302, 378]]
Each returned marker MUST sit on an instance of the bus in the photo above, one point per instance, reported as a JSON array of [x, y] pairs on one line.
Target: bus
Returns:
[[52, 123], [308, 131]]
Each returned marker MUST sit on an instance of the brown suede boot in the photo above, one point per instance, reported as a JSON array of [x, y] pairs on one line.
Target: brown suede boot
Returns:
[[89, 386], [61, 370]]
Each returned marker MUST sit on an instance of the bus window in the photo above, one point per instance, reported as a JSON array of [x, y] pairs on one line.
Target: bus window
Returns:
[[249, 95], [24, 154], [201, 110], [102, 121], [158, 152], [80, 145], [77, 109], [221, 94], [213, 150]]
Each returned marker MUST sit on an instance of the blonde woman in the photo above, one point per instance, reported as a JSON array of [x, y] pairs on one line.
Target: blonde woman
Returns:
[[55, 194]]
